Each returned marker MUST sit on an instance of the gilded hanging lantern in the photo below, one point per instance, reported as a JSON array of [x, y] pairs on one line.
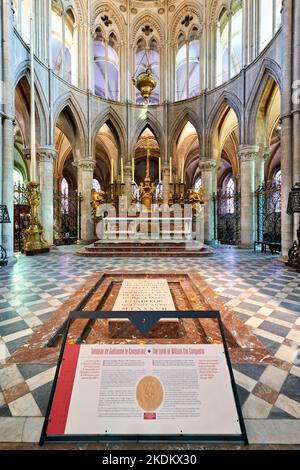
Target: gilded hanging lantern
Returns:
[[145, 83]]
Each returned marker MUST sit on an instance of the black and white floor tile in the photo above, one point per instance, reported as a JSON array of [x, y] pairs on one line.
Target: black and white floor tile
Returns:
[[263, 292]]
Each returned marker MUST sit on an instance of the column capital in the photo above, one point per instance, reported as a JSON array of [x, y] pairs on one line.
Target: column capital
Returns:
[[166, 170], [46, 154], [248, 153], [26, 153], [207, 165], [127, 170], [266, 153], [85, 165]]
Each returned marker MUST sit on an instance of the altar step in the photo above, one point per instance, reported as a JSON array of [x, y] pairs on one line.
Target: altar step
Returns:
[[145, 249]]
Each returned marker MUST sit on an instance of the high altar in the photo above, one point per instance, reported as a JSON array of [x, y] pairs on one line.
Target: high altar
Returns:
[[143, 215]]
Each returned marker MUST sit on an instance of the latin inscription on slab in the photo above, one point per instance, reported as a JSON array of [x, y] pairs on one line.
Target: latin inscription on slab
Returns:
[[142, 295]]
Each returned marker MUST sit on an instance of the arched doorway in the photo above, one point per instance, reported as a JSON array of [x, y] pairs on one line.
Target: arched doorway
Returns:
[[227, 200], [67, 200]]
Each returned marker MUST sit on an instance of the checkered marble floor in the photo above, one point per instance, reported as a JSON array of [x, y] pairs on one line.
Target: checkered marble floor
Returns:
[[263, 292]]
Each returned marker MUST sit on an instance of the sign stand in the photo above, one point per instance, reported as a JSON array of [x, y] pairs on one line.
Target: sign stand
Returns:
[[67, 378]]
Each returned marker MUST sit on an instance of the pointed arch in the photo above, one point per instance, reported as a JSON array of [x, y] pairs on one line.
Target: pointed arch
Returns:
[[106, 7], [269, 70], [69, 103], [225, 100], [81, 10], [215, 9], [41, 104], [155, 126], [118, 127], [187, 115], [147, 17], [189, 8]]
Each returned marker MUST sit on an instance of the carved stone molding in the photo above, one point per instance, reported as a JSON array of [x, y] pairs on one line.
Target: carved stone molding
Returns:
[[207, 165], [86, 165], [248, 153], [266, 152], [46, 154], [127, 170]]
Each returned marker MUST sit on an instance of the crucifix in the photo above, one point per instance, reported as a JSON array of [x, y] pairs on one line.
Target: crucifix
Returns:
[[148, 148]]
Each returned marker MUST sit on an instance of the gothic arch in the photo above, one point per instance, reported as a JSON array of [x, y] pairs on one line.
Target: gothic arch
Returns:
[[40, 103], [216, 8], [190, 8], [80, 7], [187, 115], [111, 115], [68, 102], [73, 11], [108, 8], [157, 129], [226, 99], [147, 17], [269, 70]]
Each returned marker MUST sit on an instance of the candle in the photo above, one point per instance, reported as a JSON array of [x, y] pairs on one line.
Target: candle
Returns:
[[133, 169], [112, 172], [171, 171], [159, 169], [182, 174], [122, 170]]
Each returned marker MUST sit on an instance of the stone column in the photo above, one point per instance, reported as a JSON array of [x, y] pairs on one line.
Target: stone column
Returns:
[[247, 154], [263, 157], [46, 157], [166, 182], [8, 124], [296, 107], [286, 118], [85, 185], [128, 182], [208, 169]]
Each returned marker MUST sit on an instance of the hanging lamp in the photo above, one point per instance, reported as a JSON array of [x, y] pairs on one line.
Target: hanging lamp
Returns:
[[145, 81]]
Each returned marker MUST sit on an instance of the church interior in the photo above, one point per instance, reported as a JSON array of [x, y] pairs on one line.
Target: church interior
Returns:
[[151, 139]]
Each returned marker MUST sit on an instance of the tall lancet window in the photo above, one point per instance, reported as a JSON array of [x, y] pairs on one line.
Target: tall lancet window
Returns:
[[187, 72], [147, 53], [57, 41], [229, 42], [222, 48], [71, 52], [269, 20], [64, 44], [22, 10], [100, 63], [106, 60], [230, 189], [236, 39]]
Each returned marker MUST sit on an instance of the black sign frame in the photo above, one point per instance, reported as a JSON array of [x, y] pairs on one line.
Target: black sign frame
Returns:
[[144, 322]]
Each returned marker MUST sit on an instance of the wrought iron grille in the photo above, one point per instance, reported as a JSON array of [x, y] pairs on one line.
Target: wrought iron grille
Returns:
[[67, 218], [227, 210], [22, 214], [268, 203]]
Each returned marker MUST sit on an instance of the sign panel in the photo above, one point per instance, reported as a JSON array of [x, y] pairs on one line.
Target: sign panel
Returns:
[[153, 390]]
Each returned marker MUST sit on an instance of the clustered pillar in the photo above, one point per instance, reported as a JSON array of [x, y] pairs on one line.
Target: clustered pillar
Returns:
[[286, 124], [85, 185], [166, 182], [7, 123], [248, 155], [208, 170], [46, 156], [128, 182]]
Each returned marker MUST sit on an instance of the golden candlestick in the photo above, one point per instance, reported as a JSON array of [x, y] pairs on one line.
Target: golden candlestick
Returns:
[[147, 189], [35, 241]]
